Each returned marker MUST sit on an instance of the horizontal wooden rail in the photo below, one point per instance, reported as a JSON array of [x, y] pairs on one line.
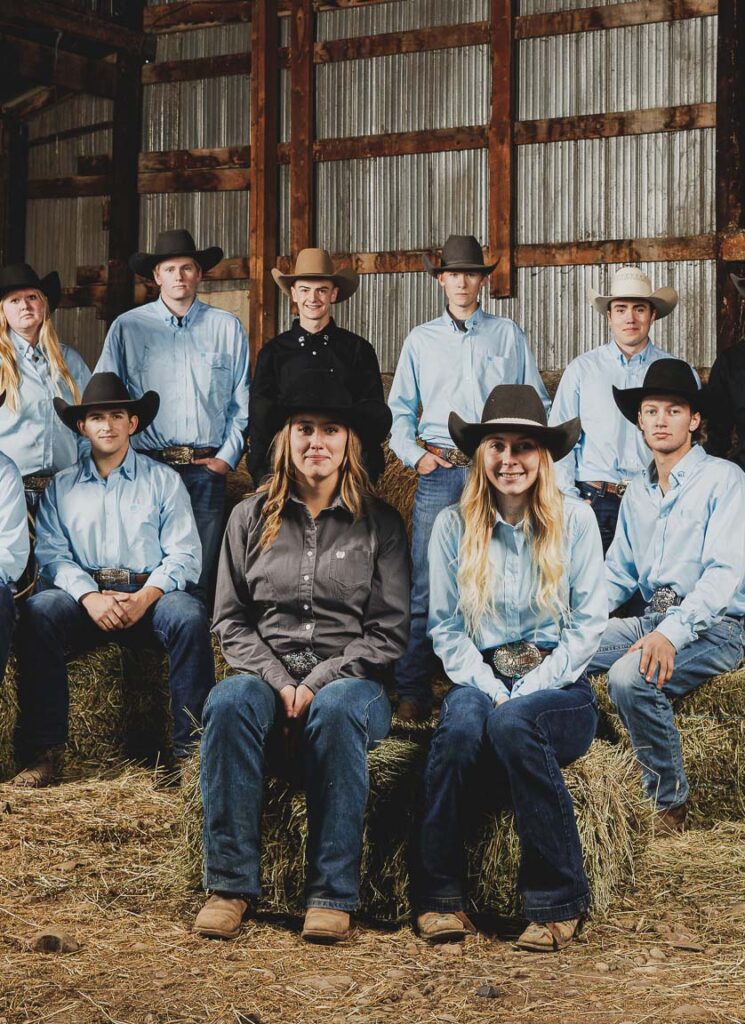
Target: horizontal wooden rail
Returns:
[[595, 19], [196, 69]]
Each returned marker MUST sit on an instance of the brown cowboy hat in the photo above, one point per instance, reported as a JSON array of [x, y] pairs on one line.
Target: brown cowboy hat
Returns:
[[107, 391], [517, 408], [633, 283], [460, 252], [170, 244], [19, 276], [316, 264]]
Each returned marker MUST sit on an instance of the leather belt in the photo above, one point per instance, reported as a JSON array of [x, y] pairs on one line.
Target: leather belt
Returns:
[[108, 576], [516, 659], [179, 454], [606, 487], [452, 455], [36, 482]]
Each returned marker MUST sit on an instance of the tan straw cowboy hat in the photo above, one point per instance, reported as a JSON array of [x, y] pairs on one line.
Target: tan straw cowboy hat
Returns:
[[633, 283], [316, 264]]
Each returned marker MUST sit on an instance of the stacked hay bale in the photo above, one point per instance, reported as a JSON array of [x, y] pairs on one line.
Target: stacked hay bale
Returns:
[[711, 722], [8, 718], [613, 818]]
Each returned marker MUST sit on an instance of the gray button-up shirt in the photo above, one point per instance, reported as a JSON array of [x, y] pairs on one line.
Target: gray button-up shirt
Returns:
[[336, 585]]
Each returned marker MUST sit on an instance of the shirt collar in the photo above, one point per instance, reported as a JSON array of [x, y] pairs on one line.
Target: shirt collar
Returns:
[[472, 323], [164, 313], [336, 503], [23, 347], [682, 470], [639, 359], [300, 334], [127, 469]]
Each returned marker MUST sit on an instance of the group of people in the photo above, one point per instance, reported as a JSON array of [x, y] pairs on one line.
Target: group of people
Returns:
[[531, 522]]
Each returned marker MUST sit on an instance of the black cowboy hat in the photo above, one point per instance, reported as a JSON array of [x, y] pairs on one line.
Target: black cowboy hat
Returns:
[[460, 252], [324, 391], [107, 391], [19, 276], [518, 408], [170, 244], [2, 398], [664, 377]]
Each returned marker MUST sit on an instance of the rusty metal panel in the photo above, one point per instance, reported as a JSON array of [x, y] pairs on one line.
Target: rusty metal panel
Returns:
[[632, 68], [636, 187], [404, 92], [62, 234], [82, 329], [207, 114], [398, 17], [214, 218], [406, 202]]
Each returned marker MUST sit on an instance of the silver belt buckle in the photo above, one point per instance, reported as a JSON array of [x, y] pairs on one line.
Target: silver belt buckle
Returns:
[[516, 659], [300, 663], [178, 455], [111, 576], [622, 487], [662, 599]]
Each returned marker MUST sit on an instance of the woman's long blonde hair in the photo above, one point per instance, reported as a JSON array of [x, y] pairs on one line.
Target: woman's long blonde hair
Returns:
[[354, 482], [543, 526], [49, 344]]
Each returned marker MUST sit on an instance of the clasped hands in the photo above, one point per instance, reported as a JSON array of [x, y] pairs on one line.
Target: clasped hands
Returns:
[[115, 609]]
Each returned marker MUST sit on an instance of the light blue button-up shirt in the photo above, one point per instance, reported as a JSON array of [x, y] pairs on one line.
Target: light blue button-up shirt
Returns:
[[691, 539], [200, 370], [517, 617], [34, 437], [14, 545], [442, 368], [610, 448], [138, 518]]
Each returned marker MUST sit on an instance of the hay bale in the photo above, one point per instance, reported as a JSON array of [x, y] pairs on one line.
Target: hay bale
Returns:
[[239, 485], [8, 718], [613, 818], [98, 708], [148, 726]]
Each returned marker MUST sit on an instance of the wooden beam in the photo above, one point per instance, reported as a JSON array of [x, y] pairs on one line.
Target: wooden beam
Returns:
[[34, 101], [441, 37], [72, 133], [69, 188], [194, 14], [730, 166], [197, 69], [606, 126], [14, 152], [222, 179], [284, 6], [732, 248], [302, 124], [620, 15], [76, 24], [647, 250], [501, 202], [44, 65], [235, 269], [437, 140], [195, 159], [263, 203]]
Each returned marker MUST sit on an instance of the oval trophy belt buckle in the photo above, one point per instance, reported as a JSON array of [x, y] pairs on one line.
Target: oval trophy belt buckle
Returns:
[[516, 659]]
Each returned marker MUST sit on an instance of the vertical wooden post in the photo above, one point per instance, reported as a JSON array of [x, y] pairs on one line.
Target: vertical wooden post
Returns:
[[730, 162], [501, 149], [302, 130], [264, 172], [15, 176]]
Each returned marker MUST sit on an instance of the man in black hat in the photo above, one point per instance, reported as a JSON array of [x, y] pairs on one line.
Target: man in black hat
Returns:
[[117, 547], [314, 342], [196, 357], [725, 394], [450, 363], [14, 547], [680, 541]]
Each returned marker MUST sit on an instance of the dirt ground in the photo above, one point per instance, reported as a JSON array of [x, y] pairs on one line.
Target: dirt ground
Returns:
[[88, 859]]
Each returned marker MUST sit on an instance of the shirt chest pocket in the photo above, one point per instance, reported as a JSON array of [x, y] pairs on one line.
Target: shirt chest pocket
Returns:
[[213, 372], [495, 370], [350, 570]]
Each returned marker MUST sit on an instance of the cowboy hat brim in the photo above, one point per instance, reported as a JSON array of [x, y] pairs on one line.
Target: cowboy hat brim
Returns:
[[628, 400], [346, 280], [371, 421], [50, 285], [435, 269], [664, 300], [145, 408], [144, 263], [558, 440]]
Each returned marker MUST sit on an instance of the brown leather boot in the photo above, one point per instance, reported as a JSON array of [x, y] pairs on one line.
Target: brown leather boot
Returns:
[[327, 926], [44, 771], [221, 917], [672, 819], [434, 926]]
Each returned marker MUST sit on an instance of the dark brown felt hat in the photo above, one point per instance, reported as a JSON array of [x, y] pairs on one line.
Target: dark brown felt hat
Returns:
[[107, 391], [517, 408], [460, 252], [19, 276], [171, 244], [672, 377]]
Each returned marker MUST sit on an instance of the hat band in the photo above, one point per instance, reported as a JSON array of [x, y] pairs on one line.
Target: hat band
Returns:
[[515, 419]]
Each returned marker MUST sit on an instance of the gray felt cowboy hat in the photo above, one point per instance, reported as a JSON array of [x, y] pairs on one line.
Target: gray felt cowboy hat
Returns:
[[460, 253], [671, 377], [516, 408], [633, 283], [171, 244], [20, 276], [317, 265], [107, 391]]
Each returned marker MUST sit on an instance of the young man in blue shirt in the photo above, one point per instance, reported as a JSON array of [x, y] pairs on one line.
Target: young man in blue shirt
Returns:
[[680, 541], [117, 546], [14, 547], [450, 363]]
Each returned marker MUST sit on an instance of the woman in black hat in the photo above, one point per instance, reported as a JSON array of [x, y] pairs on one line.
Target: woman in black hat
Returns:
[[34, 369], [312, 610], [517, 609]]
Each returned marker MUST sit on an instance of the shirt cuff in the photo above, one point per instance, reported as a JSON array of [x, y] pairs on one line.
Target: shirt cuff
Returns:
[[409, 453], [159, 578], [79, 586], [229, 454], [679, 633]]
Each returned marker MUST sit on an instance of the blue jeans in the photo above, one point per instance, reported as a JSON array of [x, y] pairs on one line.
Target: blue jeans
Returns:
[[646, 711], [606, 508], [207, 492], [417, 665], [346, 718], [53, 624], [514, 753], [7, 625]]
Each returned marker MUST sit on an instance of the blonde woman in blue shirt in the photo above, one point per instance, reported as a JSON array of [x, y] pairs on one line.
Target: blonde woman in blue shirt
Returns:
[[517, 609]]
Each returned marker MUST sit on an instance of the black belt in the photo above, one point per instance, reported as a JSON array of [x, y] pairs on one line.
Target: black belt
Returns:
[[606, 487], [107, 577], [179, 454]]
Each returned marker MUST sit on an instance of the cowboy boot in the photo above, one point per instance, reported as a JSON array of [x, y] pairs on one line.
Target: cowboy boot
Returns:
[[44, 771]]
